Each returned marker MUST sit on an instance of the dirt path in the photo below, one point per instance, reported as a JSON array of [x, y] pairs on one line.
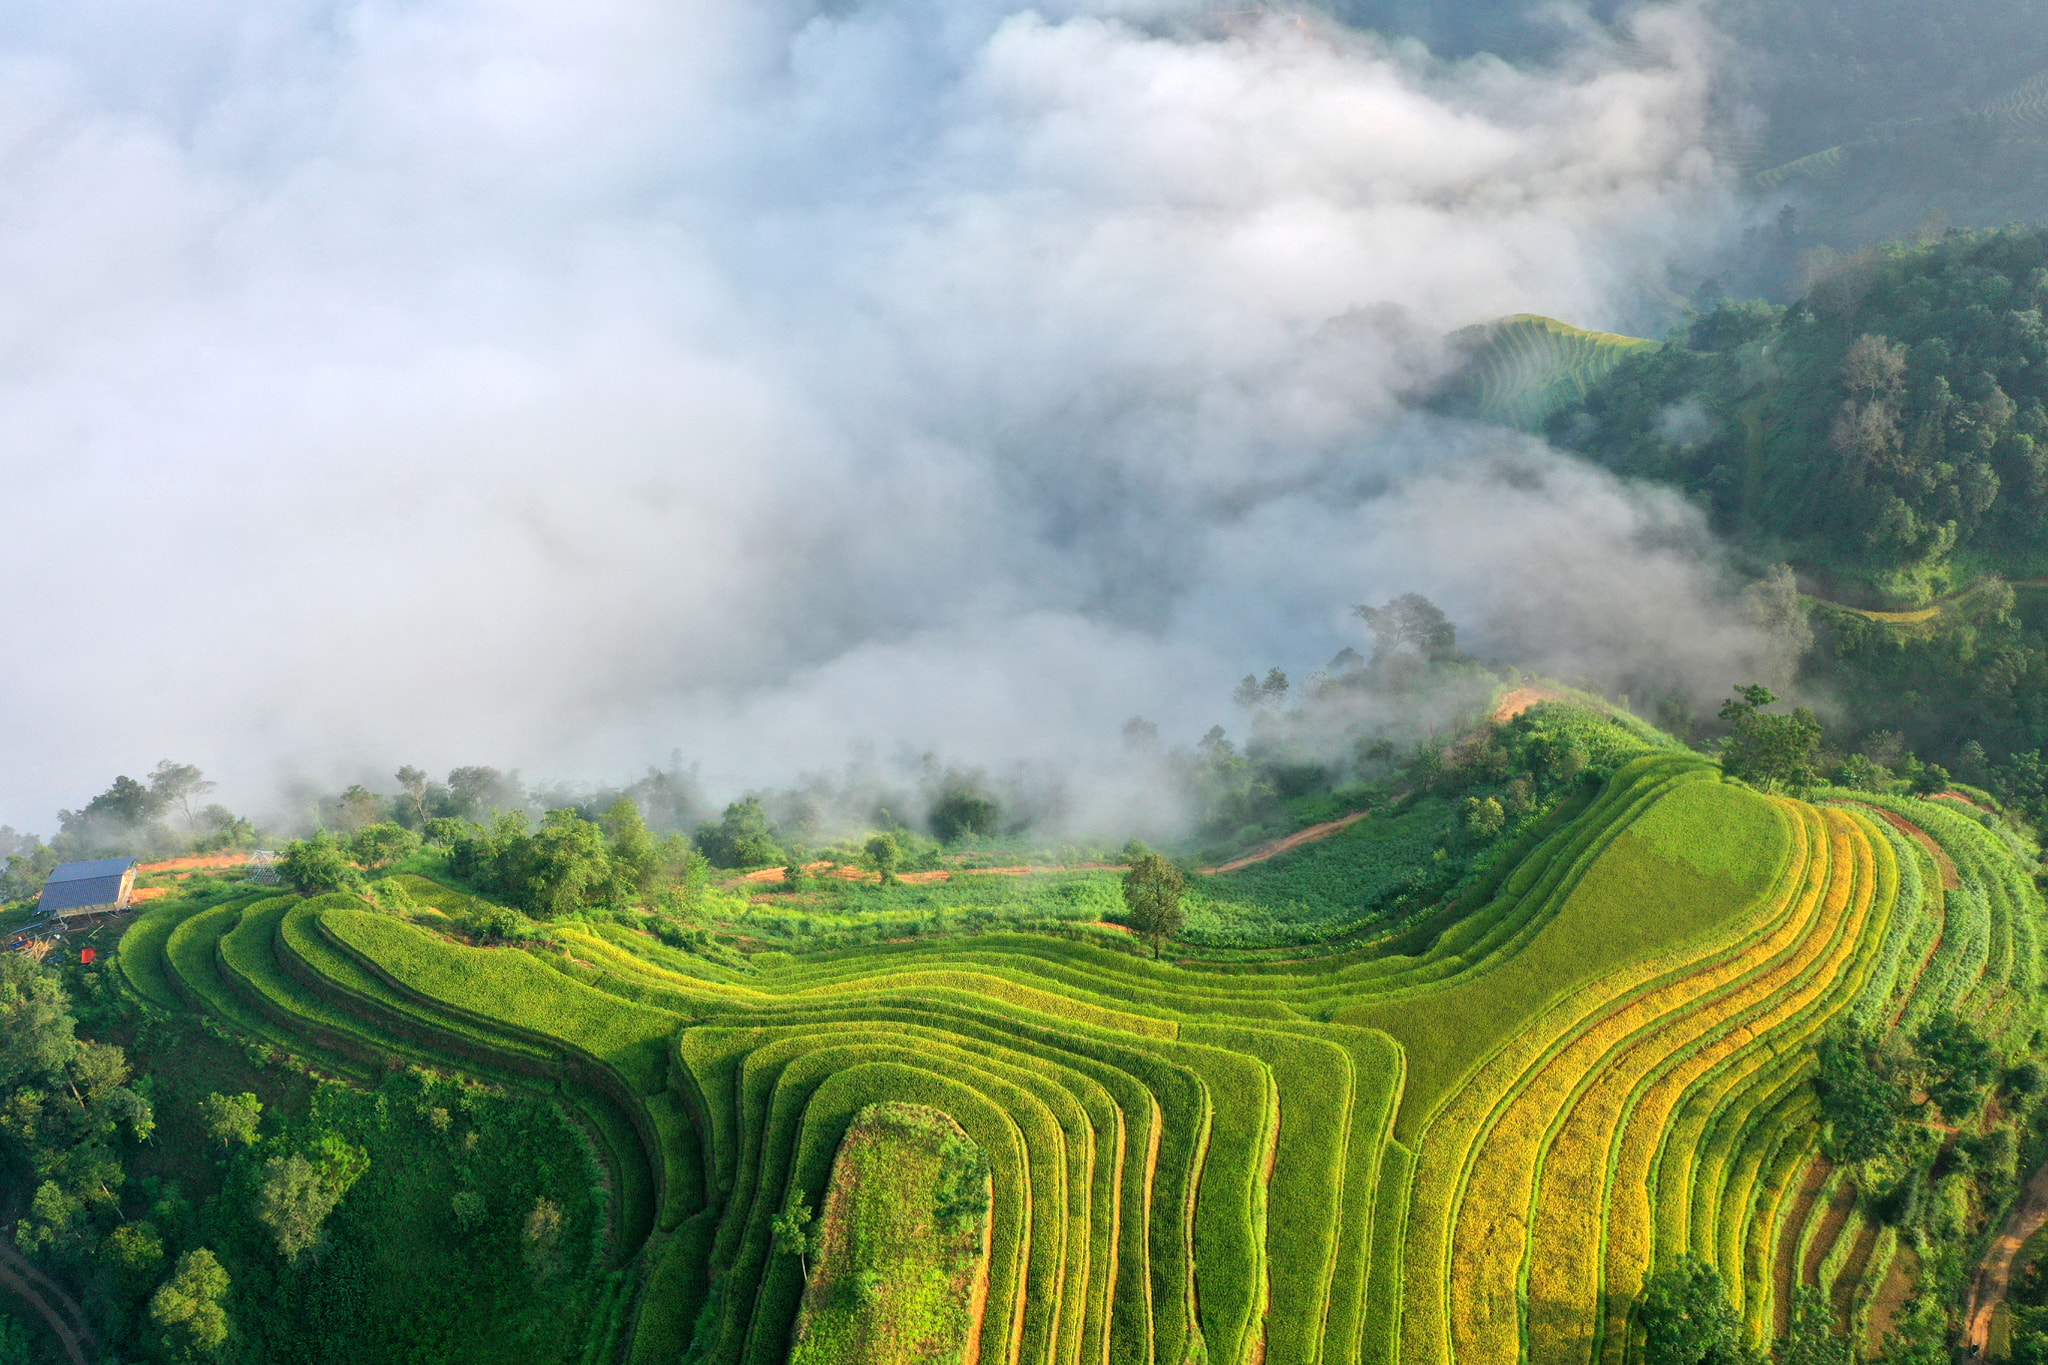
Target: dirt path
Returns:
[[1274, 847], [25, 1280], [1994, 1276]]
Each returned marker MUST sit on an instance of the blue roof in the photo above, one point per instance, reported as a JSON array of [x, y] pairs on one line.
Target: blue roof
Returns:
[[74, 885], [98, 867]]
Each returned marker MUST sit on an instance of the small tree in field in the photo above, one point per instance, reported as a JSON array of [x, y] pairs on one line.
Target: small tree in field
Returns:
[[796, 1232], [882, 853], [1153, 888]]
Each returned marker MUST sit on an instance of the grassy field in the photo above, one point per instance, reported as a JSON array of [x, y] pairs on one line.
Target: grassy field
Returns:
[[1463, 1137], [902, 1261]]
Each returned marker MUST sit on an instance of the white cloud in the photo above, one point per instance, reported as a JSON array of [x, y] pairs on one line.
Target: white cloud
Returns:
[[555, 385]]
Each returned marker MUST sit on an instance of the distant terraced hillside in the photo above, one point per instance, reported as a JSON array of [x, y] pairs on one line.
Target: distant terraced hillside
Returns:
[[1472, 1149], [1521, 369], [2018, 115]]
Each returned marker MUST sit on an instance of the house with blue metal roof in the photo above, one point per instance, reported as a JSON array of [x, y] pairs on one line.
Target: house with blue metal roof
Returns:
[[99, 887]]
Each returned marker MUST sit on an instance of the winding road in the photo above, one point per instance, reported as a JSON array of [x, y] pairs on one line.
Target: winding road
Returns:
[[1993, 1280], [69, 1326]]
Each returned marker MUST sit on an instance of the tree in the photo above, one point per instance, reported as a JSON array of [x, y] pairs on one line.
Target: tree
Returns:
[[1862, 1106], [1410, 622], [1957, 1065], [175, 784], [795, 1232], [36, 1026], [382, 844], [190, 1308], [1930, 778], [881, 851], [477, 793], [960, 1195], [298, 1191], [540, 1239], [1770, 751], [1687, 1320], [963, 810], [741, 838], [358, 808], [231, 1118], [310, 866], [1874, 367], [635, 854], [1486, 818], [564, 867], [413, 783], [1153, 888]]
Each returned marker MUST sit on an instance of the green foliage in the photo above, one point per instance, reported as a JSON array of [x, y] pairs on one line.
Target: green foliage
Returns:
[[1958, 1063], [321, 863], [1485, 817], [964, 810], [300, 1189], [881, 853], [795, 1231], [231, 1119], [379, 846], [1686, 1318], [741, 838], [1153, 888], [190, 1308], [1772, 752], [1861, 1104], [564, 867], [1410, 624], [960, 1194]]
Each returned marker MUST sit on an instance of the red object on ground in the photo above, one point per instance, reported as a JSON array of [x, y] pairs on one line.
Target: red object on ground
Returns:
[[87, 954]]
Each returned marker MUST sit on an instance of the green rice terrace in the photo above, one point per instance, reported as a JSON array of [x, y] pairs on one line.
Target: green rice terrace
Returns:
[[1476, 1134], [1519, 370]]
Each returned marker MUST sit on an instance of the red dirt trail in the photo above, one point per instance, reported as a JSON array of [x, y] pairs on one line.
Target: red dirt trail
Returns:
[[1274, 847], [1994, 1275]]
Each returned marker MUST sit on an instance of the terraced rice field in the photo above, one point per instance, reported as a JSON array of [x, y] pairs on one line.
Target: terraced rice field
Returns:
[[1525, 367], [1472, 1152]]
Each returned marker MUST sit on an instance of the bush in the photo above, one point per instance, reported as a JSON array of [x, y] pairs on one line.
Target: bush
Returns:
[[316, 865]]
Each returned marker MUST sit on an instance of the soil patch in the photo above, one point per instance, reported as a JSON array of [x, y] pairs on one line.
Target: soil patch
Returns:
[[1784, 1266], [1891, 1297], [197, 862], [1831, 1225], [1517, 700], [1842, 1296]]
